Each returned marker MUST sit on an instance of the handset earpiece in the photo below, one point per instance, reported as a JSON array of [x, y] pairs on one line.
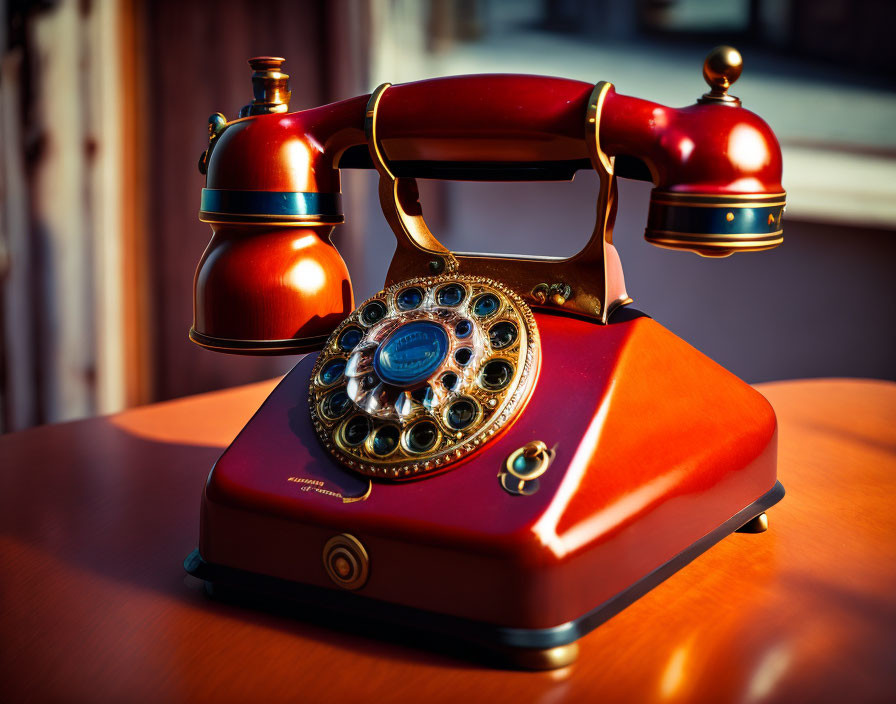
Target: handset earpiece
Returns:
[[718, 173], [270, 280]]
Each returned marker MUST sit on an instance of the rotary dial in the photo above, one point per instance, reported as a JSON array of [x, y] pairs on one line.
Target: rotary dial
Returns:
[[422, 374]]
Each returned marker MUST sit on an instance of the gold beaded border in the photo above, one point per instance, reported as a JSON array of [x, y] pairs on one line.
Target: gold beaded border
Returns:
[[529, 363]]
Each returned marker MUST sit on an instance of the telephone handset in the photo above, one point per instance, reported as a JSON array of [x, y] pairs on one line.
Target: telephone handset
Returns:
[[482, 448]]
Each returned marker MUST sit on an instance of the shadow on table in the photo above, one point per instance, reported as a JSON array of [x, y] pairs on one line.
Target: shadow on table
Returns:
[[134, 518]]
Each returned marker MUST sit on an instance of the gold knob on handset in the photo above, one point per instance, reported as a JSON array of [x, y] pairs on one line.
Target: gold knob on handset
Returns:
[[722, 67], [270, 86]]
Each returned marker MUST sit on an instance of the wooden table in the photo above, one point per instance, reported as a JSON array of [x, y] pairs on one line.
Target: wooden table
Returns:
[[97, 515]]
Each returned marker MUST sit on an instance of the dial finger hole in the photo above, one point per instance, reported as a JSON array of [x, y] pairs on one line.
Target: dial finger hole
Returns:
[[496, 375], [331, 372], [450, 295], [349, 339], [385, 440], [409, 299], [463, 329], [355, 430], [461, 413], [373, 312], [485, 305], [463, 356], [421, 437], [335, 404], [502, 335]]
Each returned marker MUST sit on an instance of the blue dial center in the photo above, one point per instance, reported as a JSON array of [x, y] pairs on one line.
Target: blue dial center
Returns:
[[411, 354]]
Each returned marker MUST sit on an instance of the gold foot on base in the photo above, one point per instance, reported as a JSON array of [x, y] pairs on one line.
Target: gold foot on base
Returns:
[[759, 524], [542, 659]]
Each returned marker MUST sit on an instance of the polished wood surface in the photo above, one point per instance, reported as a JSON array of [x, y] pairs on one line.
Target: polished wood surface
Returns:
[[96, 517]]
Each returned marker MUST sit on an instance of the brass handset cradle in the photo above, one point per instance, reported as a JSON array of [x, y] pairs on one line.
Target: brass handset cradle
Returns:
[[590, 279]]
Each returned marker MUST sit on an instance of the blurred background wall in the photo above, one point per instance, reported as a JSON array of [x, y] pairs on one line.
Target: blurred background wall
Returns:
[[103, 108]]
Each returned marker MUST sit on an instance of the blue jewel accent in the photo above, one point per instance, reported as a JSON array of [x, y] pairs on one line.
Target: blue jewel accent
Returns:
[[450, 295], [349, 339], [463, 328], [332, 371], [356, 430], [385, 440], [336, 404], [411, 354], [485, 305], [525, 465], [409, 299]]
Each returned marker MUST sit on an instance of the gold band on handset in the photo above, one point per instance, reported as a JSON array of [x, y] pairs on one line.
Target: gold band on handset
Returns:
[[376, 154]]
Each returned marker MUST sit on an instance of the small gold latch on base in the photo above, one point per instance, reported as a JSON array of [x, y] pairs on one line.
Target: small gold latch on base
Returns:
[[522, 468]]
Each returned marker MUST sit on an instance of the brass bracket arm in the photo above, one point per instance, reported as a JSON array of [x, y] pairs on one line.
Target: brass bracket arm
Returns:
[[217, 123]]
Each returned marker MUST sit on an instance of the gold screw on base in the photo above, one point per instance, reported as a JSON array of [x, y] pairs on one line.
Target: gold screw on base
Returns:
[[342, 567], [346, 562], [557, 293], [560, 293]]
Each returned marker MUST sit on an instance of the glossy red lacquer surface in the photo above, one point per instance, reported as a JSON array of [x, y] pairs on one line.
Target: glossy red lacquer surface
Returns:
[[705, 149], [270, 283], [253, 284], [247, 287], [656, 446], [485, 118], [287, 152], [502, 118]]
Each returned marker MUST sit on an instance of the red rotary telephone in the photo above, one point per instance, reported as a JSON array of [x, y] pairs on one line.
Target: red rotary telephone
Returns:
[[492, 450]]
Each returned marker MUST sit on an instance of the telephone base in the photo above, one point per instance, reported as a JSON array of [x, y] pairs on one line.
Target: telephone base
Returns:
[[657, 453], [518, 648]]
